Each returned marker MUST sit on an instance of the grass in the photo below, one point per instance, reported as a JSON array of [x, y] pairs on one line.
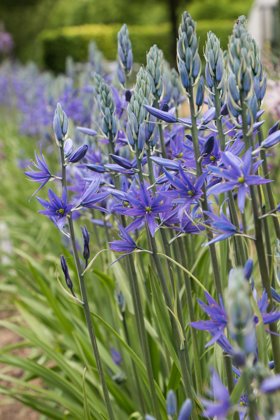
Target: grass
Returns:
[[51, 324]]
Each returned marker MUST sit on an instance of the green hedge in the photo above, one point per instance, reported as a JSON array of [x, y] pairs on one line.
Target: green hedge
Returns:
[[218, 9], [73, 41]]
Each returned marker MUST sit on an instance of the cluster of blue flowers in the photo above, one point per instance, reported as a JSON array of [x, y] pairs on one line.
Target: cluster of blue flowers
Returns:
[[149, 171]]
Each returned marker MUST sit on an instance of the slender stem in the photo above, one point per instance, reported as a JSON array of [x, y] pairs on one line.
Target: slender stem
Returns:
[[89, 322], [214, 259], [265, 278], [63, 167], [111, 147], [136, 297], [267, 238], [139, 165], [180, 252], [161, 137], [244, 222], [219, 118], [150, 166], [194, 133], [228, 367], [213, 254], [238, 244], [261, 253], [86, 308], [267, 187], [252, 408], [142, 332], [244, 123], [138, 387], [182, 352], [162, 143], [240, 253], [177, 299], [270, 196], [170, 272]]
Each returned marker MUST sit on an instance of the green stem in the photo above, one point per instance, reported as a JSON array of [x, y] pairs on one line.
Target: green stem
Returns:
[[214, 259], [244, 124], [180, 252], [267, 238], [142, 332], [162, 143], [161, 137], [213, 254], [194, 133], [139, 165], [89, 322], [177, 299], [219, 118], [138, 387], [252, 408], [261, 254], [63, 167], [86, 308], [228, 367], [265, 278], [150, 167], [240, 253], [268, 190], [182, 352]]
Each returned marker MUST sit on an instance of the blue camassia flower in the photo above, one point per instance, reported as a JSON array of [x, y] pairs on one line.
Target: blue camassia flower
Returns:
[[123, 165], [237, 173], [186, 191], [268, 317], [185, 410], [221, 405], [125, 244], [222, 225], [162, 115], [91, 196], [218, 316], [78, 154], [41, 173], [116, 356], [270, 384], [145, 208], [57, 208]]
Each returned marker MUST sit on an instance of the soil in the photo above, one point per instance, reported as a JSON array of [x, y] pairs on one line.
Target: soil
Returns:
[[11, 409]]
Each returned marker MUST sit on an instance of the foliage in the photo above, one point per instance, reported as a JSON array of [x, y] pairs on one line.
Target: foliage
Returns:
[[26, 20], [120, 328], [73, 41], [223, 9]]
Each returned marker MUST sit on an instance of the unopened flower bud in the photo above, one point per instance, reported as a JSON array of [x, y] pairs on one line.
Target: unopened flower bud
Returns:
[[86, 237], [171, 403], [186, 410], [66, 274], [248, 269], [60, 125], [200, 92]]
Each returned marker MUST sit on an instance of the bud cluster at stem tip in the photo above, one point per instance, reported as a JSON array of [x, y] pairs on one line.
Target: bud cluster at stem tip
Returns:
[[189, 63], [60, 125], [107, 107], [125, 56]]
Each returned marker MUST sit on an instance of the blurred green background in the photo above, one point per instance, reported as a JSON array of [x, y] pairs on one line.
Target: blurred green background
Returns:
[[47, 31]]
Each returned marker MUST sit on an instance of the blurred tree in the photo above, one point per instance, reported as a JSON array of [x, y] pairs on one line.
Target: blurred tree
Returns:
[[26, 19], [173, 17]]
